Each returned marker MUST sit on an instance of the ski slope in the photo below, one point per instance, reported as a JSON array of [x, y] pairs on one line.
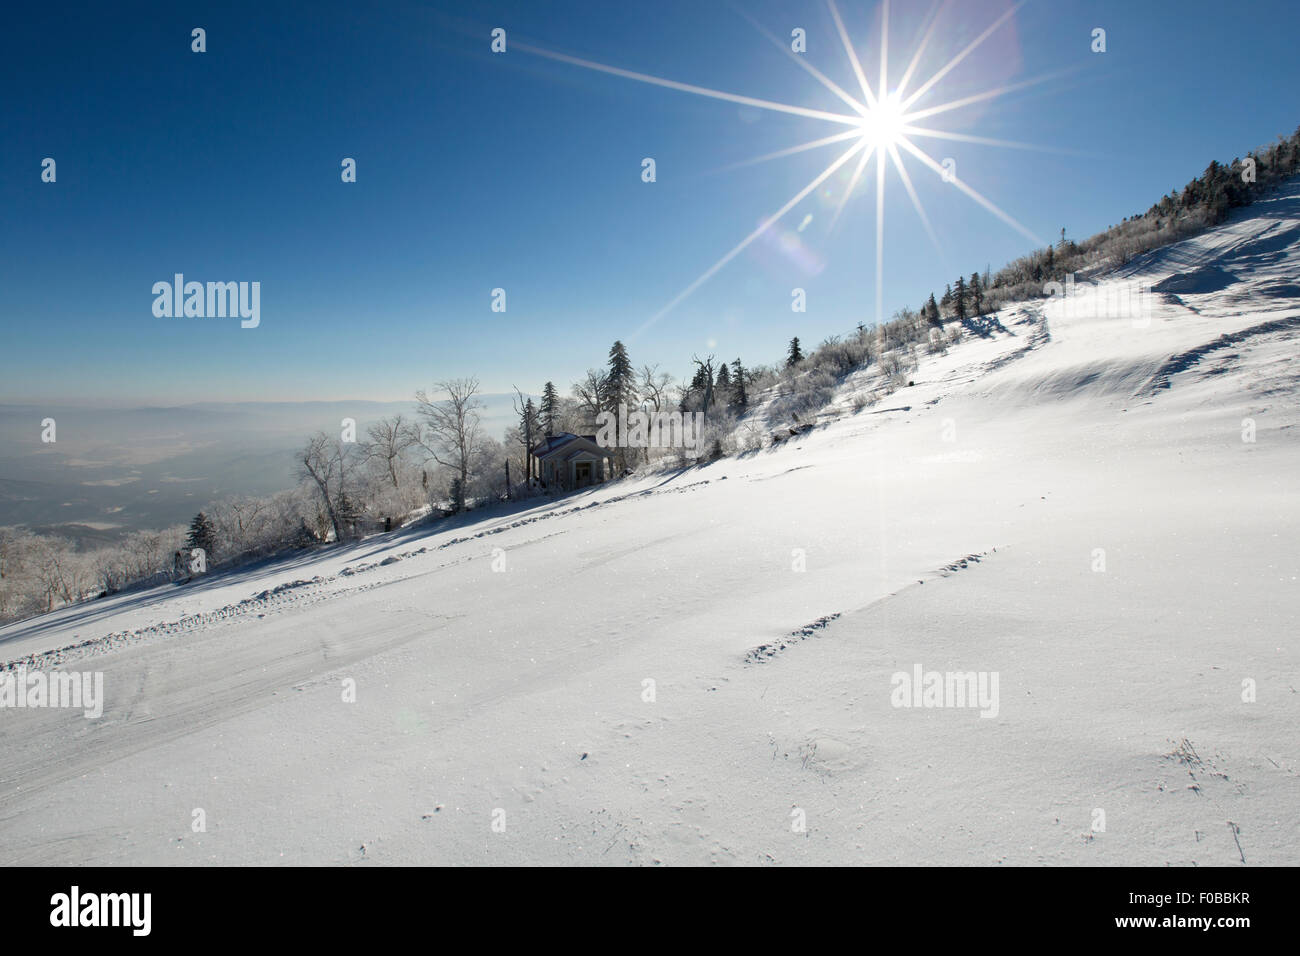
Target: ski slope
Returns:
[[502, 713]]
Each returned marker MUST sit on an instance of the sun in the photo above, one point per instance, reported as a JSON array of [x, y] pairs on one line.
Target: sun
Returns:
[[885, 123], [882, 127]]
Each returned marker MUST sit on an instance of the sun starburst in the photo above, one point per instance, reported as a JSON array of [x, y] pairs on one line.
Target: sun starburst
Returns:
[[885, 123], [882, 121]]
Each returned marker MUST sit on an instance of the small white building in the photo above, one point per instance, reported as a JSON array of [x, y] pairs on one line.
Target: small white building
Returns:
[[568, 461]]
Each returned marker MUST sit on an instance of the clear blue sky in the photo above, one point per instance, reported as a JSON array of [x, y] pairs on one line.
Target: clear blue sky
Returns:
[[478, 171]]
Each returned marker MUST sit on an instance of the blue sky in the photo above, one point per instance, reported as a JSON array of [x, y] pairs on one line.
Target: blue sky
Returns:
[[479, 170]]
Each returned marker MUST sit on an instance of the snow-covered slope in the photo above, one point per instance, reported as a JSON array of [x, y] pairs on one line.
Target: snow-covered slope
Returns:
[[685, 668]]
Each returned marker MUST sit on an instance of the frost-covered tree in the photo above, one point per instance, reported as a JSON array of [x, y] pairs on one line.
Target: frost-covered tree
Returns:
[[590, 395], [794, 354], [202, 534], [391, 439], [452, 434], [739, 396], [722, 385], [654, 386], [549, 407], [528, 431], [620, 379], [976, 295], [322, 463]]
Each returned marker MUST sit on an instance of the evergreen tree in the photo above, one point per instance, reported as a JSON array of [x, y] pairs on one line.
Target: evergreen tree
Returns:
[[695, 394], [531, 419], [976, 295], [1217, 202], [550, 405], [698, 383], [959, 299], [932, 311], [620, 381], [795, 355], [722, 385], [739, 397], [202, 534], [530, 430], [703, 380]]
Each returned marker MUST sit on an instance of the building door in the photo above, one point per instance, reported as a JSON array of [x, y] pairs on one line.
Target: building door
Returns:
[[582, 474]]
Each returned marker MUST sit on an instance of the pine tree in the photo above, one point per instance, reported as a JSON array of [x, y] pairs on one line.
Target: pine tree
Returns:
[[722, 385], [795, 355], [528, 420], [932, 311], [1218, 203], [620, 381], [530, 429], [959, 299], [739, 398], [976, 295], [202, 534], [550, 405]]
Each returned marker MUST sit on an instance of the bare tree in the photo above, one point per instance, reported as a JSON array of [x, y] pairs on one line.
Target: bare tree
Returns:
[[390, 439], [529, 429], [654, 386], [16, 554], [249, 514], [53, 564], [146, 553], [322, 463], [451, 433], [706, 375], [590, 393]]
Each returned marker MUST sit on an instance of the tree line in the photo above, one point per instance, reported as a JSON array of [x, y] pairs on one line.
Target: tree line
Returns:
[[1202, 203]]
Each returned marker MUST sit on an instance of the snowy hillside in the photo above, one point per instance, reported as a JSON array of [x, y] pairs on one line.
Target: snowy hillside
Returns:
[[683, 669]]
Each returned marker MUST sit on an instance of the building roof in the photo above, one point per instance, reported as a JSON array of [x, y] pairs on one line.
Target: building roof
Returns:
[[554, 443]]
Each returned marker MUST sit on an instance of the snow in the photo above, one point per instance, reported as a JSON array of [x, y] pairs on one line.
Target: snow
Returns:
[[953, 525]]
